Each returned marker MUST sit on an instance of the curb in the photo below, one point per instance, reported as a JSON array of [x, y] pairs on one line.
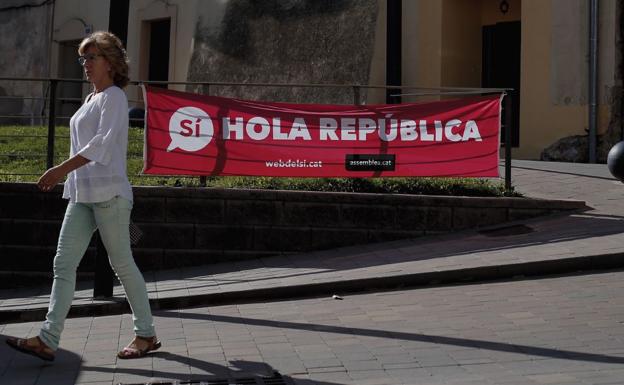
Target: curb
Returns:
[[186, 227], [415, 280]]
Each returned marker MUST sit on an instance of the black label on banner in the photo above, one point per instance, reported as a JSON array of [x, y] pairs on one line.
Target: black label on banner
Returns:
[[370, 162]]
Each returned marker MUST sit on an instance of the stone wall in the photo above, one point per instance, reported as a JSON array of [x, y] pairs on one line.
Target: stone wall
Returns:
[[25, 44], [571, 75], [194, 226], [285, 41], [615, 131]]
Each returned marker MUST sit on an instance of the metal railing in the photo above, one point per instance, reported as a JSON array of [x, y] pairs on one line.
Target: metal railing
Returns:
[[51, 99], [103, 280]]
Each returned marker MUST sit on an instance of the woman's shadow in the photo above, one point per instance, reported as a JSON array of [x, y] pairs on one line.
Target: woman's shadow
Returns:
[[16, 367], [238, 371], [20, 368]]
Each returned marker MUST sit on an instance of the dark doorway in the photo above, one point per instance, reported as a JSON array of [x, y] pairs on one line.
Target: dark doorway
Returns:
[[393, 50], [501, 68], [69, 94], [159, 51], [118, 19]]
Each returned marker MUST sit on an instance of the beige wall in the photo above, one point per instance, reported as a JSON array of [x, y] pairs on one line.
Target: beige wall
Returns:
[[442, 40], [71, 17], [183, 15], [461, 43], [73, 20], [378, 65], [411, 57], [442, 48], [491, 14], [541, 123], [553, 102], [427, 49]]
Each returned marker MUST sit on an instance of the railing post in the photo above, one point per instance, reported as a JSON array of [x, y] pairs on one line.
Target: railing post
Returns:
[[51, 123], [202, 179], [508, 114], [103, 277], [356, 95]]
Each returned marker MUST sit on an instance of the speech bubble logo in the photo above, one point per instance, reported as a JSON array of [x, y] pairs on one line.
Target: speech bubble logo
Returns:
[[190, 129]]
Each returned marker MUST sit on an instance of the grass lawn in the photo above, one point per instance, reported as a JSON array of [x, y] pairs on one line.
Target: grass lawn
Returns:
[[23, 152]]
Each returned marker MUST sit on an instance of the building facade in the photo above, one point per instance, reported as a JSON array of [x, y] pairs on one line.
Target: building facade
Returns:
[[537, 47]]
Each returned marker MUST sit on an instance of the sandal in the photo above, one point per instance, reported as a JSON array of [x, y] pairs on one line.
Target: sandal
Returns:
[[132, 350], [41, 350]]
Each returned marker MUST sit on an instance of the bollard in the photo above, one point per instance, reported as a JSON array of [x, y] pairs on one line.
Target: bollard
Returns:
[[104, 276], [615, 161], [51, 124], [507, 123], [103, 280]]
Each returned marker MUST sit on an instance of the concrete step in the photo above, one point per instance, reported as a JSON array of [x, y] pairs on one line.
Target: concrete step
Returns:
[[541, 268], [23, 279]]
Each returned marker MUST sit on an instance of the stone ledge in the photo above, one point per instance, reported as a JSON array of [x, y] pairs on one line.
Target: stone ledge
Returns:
[[194, 226], [16, 189]]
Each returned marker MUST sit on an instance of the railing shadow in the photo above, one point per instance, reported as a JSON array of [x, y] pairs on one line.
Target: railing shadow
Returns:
[[18, 368], [433, 339], [214, 373], [547, 231]]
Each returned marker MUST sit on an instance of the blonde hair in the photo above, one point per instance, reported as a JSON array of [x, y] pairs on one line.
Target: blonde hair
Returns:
[[112, 49]]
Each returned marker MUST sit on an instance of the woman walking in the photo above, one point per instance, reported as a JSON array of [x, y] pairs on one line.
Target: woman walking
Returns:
[[100, 197]]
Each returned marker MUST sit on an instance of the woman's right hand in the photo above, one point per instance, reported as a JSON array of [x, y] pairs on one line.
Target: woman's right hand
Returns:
[[54, 175], [50, 178]]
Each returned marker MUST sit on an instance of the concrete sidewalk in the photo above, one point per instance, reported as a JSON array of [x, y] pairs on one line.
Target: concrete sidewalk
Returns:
[[564, 330], [588, 240]]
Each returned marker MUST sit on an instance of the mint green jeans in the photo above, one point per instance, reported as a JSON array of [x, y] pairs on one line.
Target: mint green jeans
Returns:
[[112, 219]]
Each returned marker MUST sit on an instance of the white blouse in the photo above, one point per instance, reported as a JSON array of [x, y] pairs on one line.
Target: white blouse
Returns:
[[99, 132]]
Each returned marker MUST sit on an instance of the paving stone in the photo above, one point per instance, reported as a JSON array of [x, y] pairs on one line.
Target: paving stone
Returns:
[[558, 330]]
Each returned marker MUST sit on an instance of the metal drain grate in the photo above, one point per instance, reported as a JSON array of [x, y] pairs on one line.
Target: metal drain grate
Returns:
[[507, 230], [275, 379]]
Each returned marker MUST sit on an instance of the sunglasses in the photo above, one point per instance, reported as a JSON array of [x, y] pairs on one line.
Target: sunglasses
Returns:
[[88, 57]]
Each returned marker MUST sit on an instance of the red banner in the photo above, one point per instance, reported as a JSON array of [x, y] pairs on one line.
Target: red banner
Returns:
[[190, 134]]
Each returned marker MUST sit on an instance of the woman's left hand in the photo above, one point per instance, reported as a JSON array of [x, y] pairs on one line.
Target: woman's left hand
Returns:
[[50, 178]]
